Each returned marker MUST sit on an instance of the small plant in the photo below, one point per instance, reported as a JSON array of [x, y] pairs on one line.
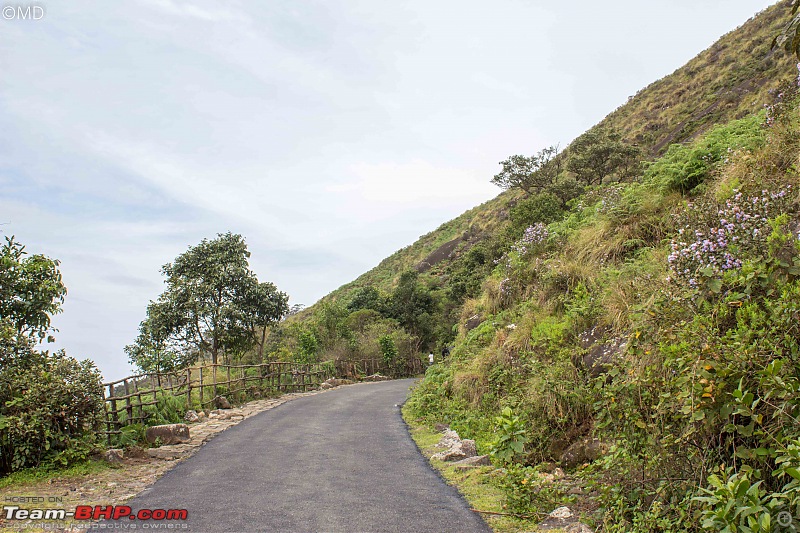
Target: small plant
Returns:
[[735, 504], [511, 438]]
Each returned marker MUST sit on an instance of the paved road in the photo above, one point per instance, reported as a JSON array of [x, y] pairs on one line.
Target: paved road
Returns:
[[340, 461]]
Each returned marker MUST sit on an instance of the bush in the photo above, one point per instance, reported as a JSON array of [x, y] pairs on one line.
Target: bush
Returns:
[[50, 406], [684, 167]]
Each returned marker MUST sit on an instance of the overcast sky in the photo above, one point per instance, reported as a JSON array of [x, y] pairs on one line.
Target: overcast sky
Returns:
[[328, 133]]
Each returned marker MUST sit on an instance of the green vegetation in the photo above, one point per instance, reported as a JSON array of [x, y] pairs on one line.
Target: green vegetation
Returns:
[[213, 305], [659, 317], [49, 403]]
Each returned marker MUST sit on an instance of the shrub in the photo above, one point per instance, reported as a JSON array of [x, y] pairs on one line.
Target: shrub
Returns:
[[684, 167], [50, 405]]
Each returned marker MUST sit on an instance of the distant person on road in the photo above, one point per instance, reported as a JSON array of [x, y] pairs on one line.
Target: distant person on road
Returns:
[[430, 358], [445, 352]]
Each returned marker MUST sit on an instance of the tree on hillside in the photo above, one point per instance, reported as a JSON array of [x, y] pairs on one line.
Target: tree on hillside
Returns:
[[531, 174], [31, 290], [599, 154], [213, 303], [413, 306], [153, 349]]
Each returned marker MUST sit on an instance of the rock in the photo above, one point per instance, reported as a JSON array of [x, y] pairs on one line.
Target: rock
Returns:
[[473, 322], [469, 448], [584, 451], [440, 428], [449, 439], [560, 517], [561, 512], [167, 434], [191, 416], [325, 386], [113, 456], [577, 527], [219, 414], [455, 448], [135, 452], [476, 460], [222, 403], [376, 377]]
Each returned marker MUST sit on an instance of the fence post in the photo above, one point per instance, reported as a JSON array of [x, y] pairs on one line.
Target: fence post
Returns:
[[188, 388], [128, 406], [114, 415]]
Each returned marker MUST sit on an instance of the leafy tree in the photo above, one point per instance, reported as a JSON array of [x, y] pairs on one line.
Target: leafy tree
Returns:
[[531, 174], [153, 351], [213, 303], [31, 290], [262, 306], [413, 306], [309, 346], [367, 298], [50, 404], [599, 154]]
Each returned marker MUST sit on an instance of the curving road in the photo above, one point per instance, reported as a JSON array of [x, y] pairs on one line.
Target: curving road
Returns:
[[340, 461]]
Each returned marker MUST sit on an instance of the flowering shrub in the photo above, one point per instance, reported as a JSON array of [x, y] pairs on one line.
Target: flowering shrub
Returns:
[[518, 259], [737, 229]]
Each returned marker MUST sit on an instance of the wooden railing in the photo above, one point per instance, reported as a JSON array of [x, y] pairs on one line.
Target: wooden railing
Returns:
[[127, 400]]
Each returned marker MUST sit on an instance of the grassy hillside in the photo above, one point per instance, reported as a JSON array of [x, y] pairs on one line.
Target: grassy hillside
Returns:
[[640, 331], [736, 76]]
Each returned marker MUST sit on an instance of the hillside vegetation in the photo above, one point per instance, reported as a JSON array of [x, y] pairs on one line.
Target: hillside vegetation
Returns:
[[636, 324]]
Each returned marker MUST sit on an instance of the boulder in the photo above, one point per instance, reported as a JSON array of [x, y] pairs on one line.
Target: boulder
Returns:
[[583, 451], [559, 518], [113, 456], [191, 416], [167, 434], [474, 461], [222, 403], [469, 448], [440, 428], [455, 448], [473, 322]]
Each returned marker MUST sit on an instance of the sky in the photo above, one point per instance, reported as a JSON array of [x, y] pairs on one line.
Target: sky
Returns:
[[329, 134]]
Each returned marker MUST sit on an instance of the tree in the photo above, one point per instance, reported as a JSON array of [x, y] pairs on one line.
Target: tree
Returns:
[[31, 290], [262, 306], [601, 153], [531, 174], [413, 306], [153, 351], [213, 303], [50, 404]]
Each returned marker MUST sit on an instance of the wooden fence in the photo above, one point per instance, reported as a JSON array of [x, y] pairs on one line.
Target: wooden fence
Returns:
[[128, 400]]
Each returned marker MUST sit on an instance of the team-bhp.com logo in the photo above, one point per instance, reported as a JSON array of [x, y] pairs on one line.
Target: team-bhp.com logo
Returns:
[[98, 512], [22, 12]]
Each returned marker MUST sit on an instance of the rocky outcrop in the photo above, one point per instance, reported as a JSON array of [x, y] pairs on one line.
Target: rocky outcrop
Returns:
[[167, 434], [583, 451], [455, 449]]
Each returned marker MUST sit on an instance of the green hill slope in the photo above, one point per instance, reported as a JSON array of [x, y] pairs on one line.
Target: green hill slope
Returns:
[[641, 331]]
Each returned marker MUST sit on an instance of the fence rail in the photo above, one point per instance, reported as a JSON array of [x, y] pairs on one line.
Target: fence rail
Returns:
[[127, 400]]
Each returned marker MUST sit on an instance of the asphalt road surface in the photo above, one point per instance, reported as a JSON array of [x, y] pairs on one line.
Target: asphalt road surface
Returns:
[[341, 461]]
